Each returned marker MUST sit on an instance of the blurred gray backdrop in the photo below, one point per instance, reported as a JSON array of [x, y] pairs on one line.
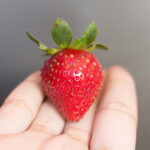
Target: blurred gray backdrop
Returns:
[[124, 26]]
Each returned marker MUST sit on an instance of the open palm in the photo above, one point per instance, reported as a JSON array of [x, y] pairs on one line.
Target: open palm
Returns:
[[29, 121]]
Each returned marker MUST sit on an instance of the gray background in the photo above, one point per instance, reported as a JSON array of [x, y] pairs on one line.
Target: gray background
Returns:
[[124, 25]]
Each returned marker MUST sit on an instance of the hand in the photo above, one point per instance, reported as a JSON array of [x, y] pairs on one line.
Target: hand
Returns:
[[28, 122]]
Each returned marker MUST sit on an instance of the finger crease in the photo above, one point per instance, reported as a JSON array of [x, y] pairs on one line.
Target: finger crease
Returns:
[[122, 108], [20, 103], [43, 143], [41, 128], [75, 138], [76, 128]]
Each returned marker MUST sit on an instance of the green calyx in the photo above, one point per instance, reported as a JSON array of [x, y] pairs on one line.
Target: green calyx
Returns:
[[62, 35]]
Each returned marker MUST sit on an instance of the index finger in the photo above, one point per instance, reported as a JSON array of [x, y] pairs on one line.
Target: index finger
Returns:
[[21, 106], [116, 119]]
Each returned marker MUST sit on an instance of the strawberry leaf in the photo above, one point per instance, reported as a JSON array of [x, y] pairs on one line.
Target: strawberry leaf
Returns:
[[51, 51], [96, 46], [61, 33], [101, 47], [34, 39], [90, 34], [76, 44], [43, 47], [87, 38], [91, 47]]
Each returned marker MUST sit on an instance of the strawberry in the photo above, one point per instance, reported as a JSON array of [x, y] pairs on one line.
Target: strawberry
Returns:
[[72, 77], [72, 80]]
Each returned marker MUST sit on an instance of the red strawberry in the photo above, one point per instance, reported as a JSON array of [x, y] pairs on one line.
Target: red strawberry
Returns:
[[72, 77], [72, 80]]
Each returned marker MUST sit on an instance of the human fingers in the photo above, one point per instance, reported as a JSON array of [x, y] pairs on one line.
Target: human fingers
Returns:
[[116, 119], [21, 106], [48, 121]]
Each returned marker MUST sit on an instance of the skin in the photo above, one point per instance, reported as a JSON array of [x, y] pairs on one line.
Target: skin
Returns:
[[29, 121]]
